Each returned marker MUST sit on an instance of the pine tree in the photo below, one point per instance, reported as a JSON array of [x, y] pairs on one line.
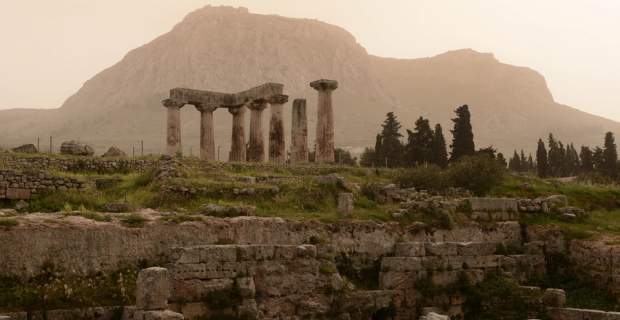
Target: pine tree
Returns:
[[439, 151], [587, 161], [610, 156], [463, 136], [530, 163], [420, 143], [391, 146], [542, 164]]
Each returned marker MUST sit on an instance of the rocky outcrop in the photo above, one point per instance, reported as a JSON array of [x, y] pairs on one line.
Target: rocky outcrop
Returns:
[[27, 148], [114, 152], [74, 148]]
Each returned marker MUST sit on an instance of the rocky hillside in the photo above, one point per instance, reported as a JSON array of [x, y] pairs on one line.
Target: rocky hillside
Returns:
[[226, 49]]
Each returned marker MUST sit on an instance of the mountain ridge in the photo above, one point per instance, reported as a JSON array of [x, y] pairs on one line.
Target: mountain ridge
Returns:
[[228, 49]]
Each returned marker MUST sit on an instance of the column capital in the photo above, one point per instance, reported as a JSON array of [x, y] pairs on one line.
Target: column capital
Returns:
[[278, 99], [235, 110], [258, 105], [203, 107], [170, 103], [324, 85]]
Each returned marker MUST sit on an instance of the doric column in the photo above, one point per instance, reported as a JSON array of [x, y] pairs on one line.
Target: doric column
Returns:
[[174, 147], [325, 121], [237, 149], [299, 133], [277, 146], [207, 134], [256, 151]]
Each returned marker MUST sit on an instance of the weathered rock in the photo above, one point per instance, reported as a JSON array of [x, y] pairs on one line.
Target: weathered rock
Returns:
[[153, 290], [118, 207], [75, 148], [157, 315], [227, 210], [555, 298], [27, 148], [434, 316], [21, 205], [114, 152], [345, 204]]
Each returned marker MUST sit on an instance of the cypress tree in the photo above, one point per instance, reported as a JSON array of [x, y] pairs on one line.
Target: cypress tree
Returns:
[[598, 160], [610, 156], [420, 143], [501, 160], [530, 163], [515, 162], [463, 136], [555, 157], [587, 161], [542, 163], [378, 153], [439, 151], [391, 146]]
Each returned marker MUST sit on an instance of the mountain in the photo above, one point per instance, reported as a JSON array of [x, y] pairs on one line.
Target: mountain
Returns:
[[229, 50]]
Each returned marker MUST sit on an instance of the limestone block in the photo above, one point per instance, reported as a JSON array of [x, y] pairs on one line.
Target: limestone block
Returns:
[[153, 289], [306, 251], [246, 286], [401, 264], [219, 253], [248, 309], [434, 316], [410, 249], [441, 248], [196, 289], [555, 298], [494, 204], [345, 204], [476, 248], [157, 315]]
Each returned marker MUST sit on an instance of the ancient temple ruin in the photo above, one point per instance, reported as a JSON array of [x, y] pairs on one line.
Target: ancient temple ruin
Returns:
[[256, 99]]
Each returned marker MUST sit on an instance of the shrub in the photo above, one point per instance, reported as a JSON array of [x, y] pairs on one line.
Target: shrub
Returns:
[[133, 220], [431, 178], [478, 174]]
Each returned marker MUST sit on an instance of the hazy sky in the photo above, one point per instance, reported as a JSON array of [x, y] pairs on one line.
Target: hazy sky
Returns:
[[49, 48]]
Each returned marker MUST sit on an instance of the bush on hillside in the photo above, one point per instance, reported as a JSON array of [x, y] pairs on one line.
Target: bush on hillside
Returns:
[[478, 174]]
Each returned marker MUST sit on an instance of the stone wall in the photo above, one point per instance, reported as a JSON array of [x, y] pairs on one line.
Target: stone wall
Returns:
[[86, 246], [25, 185], [77, 164], [442, 264], [602, 262], [581, 314]]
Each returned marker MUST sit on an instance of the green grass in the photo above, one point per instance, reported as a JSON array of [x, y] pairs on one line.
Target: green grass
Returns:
[[599, 223], [133, 220], [8, 222], [589, 197]]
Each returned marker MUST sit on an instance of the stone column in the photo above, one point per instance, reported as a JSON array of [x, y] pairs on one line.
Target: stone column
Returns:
[[277, 146], [299, 133], [256, 151], [207, 134], [173, 139], [237, 149], [325, 121]]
